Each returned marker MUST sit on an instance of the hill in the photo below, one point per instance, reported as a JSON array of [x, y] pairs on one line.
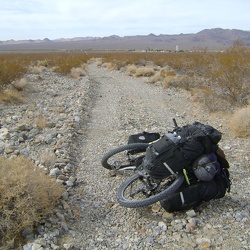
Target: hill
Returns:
[[211, 39]]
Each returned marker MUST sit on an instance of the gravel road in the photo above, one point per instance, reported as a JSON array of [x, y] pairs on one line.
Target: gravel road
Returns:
[[97, 113], [123, 106]]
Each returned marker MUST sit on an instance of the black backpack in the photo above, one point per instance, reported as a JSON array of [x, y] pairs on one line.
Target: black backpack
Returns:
[[178, 149]]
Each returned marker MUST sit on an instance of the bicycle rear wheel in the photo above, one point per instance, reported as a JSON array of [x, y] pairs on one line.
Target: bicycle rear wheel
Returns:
[[124, 157], [138, 191]]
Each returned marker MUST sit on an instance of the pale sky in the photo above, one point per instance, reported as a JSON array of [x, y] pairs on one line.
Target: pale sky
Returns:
[[39, 19]]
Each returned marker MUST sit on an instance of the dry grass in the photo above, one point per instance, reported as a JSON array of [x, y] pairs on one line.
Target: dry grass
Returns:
[[36, 69], [210, 100], [26, 195], [11, 96], [20, 85], [226, 74], [77, 72], [240, 122], [47, 159], [144, 71], [130, 70], [41, 121], [167, 71], [155, 78], [178, 81]]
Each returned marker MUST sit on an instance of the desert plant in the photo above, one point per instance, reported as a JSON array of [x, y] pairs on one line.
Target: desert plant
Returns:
[[11, 68], [131, 69], [77, 72], [178, 81], [109, 65], [230, 72], [36, 69], [167, 71], [209, 99], [20, 84], [240, 122], [41, 120], [26, 195], [155, 78], [11, 96], [144, 71]]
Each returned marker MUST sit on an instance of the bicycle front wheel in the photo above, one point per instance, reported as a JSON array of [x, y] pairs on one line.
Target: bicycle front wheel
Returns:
[[124, 157], [137, 191]]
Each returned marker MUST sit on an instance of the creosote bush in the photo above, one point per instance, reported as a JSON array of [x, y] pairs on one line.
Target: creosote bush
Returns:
[[26, 195], [240, 122], [230, 73]]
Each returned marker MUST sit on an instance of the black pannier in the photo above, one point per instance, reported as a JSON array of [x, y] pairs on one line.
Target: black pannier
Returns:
[[189, 197], [164, 157], [144, 137], [208, 136], [177, 150]]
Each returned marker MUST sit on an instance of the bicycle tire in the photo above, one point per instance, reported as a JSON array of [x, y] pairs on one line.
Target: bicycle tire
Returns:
[[149, 200], [109, 154]]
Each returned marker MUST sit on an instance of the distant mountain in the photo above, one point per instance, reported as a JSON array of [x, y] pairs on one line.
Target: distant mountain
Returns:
[[211, 39]]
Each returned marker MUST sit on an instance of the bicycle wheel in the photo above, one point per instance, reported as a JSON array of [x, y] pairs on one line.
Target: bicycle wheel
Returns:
[[124, 157], [138, 191]]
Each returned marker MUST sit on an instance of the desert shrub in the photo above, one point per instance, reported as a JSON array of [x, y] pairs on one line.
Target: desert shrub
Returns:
[[209, 99], [230, 73], [155, 78], [44, 63], [20, 84], [63, 63], [36, 69], [77, 72], [144, 71], [11, 96], [26, 195], [167, 71], [109, 65], [131, 69], [240, 122], [178, 81], [11, 68], [41, 120], [98, 62]]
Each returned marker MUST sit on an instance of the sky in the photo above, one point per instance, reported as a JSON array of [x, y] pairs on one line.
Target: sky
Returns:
[[54, 19]]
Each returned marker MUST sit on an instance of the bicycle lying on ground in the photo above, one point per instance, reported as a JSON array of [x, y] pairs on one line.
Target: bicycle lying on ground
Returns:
[[140, 189]]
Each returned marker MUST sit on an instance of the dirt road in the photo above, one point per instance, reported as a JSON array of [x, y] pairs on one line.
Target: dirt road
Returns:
[[123, 105]]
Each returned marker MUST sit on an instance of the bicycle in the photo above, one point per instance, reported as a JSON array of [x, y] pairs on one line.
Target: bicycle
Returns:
[[140, 189]]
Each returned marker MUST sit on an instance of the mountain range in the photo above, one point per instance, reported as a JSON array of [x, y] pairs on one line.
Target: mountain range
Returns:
[[211, 39]]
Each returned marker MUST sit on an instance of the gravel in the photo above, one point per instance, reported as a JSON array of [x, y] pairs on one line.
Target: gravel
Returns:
[[88, 116]]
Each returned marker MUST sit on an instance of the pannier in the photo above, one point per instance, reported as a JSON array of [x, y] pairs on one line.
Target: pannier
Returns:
[[178, 149], [191, 196], [144, 137]]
